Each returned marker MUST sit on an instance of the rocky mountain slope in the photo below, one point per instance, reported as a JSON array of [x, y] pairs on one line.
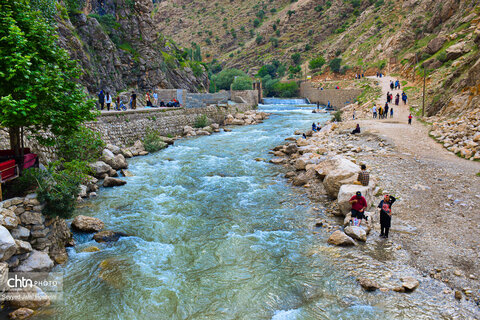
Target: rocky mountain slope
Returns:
[[396, 36], [119, 46]]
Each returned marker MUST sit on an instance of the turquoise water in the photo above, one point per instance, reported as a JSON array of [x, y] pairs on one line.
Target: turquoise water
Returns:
[[216, 234]]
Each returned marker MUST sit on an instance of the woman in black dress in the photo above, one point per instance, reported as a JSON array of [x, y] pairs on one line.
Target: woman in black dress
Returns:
[[386, 214]]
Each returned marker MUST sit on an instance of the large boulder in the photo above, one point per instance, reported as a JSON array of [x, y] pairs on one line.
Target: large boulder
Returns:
[[100, 168], [435, 44], [228, 119], [87, 224], [117, 162], [139, 146], [304, 177], [8, 247], [114, 149], [32, 217], [107, 153], [113, 182], [37, 261], [291, 148], [345, 172], [357, 233], [187, 130], [21, 314], [456, 51], [347, 191], [20, 233], [339, 238]]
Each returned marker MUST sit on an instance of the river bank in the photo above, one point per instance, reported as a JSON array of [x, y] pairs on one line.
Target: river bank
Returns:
[[435, 219]]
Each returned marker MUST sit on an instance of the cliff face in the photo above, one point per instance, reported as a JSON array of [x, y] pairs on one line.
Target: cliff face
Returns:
[[118, 46], [396, 36]]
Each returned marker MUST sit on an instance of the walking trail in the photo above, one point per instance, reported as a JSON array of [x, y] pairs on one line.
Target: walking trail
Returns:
[[437, 217]]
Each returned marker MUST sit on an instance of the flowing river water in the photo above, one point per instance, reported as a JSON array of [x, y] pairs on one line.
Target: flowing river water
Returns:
[[216, 234]]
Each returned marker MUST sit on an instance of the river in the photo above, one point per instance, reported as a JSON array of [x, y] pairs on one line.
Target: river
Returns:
[[216, 234]]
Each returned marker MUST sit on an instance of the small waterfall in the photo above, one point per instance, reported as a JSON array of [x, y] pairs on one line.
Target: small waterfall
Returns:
[[294, 101]]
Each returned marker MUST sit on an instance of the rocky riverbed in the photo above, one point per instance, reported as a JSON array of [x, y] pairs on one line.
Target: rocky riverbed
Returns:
[[428, 215]]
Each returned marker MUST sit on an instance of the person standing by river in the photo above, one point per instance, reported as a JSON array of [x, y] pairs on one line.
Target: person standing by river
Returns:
[[385, 207], [133, 100], [359, 204], [108, 100]]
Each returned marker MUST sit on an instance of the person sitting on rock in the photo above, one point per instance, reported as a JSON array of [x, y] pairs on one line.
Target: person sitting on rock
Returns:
[[314, 127], [304, 136], [363, 176], [162, 104], [385, 207], [356, 130], [359, 204]]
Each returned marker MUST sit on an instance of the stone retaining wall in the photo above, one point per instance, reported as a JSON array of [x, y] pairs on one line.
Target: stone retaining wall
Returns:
[[123, 128], [338, 97], [199, 100]]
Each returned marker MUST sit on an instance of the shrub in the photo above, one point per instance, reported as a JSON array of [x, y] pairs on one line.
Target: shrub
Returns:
[[256, 23], [201, 121], [296, 58], [153, 141], [316, 63], [286, 89], [274, 42], [259, 39], [83, 144], [442, 56], [337, 116], [58, 186], [242, 83], [335, 65]]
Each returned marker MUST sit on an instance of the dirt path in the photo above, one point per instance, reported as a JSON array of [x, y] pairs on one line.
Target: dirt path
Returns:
[[437, 216]]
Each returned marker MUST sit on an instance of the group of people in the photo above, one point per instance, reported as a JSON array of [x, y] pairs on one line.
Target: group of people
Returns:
[[379, 74], [359, 204], [395, 85], [316, 127], [105, 100], [359, 76], [382, 113]]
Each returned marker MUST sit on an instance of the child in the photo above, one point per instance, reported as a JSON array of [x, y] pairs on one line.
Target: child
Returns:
[[410, 118]]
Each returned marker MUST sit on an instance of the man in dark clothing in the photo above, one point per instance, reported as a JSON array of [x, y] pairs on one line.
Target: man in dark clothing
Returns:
[[359, 204], [386, 110], [101, 99], [386, 214], [134, 100]]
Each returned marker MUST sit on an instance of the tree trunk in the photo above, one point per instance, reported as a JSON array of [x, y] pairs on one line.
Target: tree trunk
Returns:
[[16, 146]]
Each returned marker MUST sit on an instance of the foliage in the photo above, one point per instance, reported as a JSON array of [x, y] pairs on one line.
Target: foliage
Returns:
[[293, 70], [46, 7], [242, 83], [256, 23], [259, 39], [201, 121], [37, 78], [296, 58], [225, 78], [274, 42], [316, 63], [83, 144], [290, 13], [335, 65], [337, 116], [442, 56], [153, 141], [58, 187], [285, 89]]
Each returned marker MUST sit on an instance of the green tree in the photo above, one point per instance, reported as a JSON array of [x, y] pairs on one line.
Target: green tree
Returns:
[[290, 13], [225, 78], [296, 58], [335, 65], [197, 53], [242, 83], [316, 63], [286, 89], [38, 88]]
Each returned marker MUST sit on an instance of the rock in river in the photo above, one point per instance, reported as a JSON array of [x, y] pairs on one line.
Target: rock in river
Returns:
[[108, 236], [113, 182], [87, 224], [357, 233], [37, 262], [368, 284], [339, 238]]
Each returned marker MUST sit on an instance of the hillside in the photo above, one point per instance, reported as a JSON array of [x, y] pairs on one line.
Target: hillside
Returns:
[[118, 47], [396, 36]]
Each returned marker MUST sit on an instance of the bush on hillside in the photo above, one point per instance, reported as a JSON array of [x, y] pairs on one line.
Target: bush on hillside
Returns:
[[335, 65], [296, 58], [242, 83], [286, 89], [316, 63], [337, 116]]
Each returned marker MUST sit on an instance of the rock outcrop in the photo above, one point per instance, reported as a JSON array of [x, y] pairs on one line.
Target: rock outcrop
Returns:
[[339, 238], [87, 224]]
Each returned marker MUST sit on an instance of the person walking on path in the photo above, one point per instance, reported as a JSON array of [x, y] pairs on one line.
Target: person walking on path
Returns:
[[354, 113], [385, 113], [404, 97], [155, 98], [410, 119], [385, 207], [380, 112], [388, 97], [108, 100], [397, 99], [133, 100], [391, 112], [374, 111], [359, 204], [101, 99]]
